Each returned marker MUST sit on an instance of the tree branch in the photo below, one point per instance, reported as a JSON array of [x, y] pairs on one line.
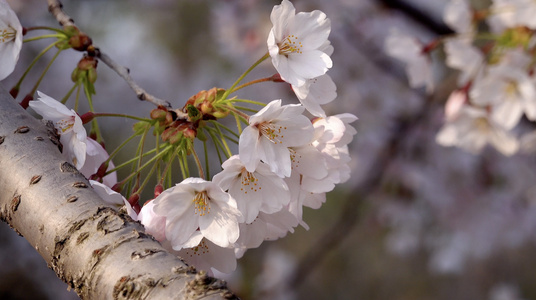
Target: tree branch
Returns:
[[56, 9], [99, 252]]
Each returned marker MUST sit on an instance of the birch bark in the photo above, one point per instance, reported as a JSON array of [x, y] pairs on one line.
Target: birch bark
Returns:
[[97, 251]]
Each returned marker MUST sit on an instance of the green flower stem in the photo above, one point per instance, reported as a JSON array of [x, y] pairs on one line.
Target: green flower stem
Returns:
[[239, 113], [141, 145], [34, 61], [94, 123], [205, 152], [153, 159], [167, 171], [116, 150], [215, 123], [252, 83], [132, 160], [46, 28], [157, 146], [227, 151], [183, 165], [231, 89], [36, 86], [77, 98], [238, 123], [69, 93], [198, 163], [147, 178], [46, 36], [122, 116], [244, 101], [217, 144], [246, 109]]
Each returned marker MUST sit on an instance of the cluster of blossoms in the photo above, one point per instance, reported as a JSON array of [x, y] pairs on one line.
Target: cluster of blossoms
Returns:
[[285, 160], [496, 83]]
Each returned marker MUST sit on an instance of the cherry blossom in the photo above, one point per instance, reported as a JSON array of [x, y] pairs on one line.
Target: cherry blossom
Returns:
[[95, 156], [458, 15], [332, 136], [472, 129], [198, 204], [206, 255], [154, 224], [265, 227], [72, 133], [261, 190], [316, 92], [509, 89], [294, 43], [410, 51], [10, 39], [269, 134], [107, 194], [512, 13], [463, 56]]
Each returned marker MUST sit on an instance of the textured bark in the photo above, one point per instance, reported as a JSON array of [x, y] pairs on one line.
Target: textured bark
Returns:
[[99, 252]]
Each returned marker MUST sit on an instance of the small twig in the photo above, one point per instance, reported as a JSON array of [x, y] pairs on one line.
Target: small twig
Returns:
[[125, 74], [56, 9]]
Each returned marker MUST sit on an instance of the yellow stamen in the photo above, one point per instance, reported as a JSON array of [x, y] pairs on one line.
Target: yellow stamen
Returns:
[[272, 132], [7, 34], [201, 203], [249, 182], [290, 45]]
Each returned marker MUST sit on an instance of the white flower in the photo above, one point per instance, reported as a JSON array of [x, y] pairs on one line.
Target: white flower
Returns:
[[472, 129], [261, 190], [269, 134], [295, 42], [205, 255], [463, 56], [410, 51], [512, 13], [113, 198], [510, 91], [454, 104], [68, 124], [316, 92], [332, 136], [10, 39], [154, 224], [95, 156], [198, 204], [458, 15], [265, 227]]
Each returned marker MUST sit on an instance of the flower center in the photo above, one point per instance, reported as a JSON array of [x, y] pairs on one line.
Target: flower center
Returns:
[[294, 159], [198, 250], [511, 89], [290, 45], [272, 132], [65, 124], [482, 124], [201, 203], [249, 182], [7, 34]]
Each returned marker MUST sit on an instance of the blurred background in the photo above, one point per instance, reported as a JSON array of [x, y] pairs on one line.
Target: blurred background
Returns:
[[415, 221]]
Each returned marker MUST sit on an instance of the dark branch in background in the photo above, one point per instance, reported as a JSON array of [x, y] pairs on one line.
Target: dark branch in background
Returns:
[[419, 16], [357, 200], [55, 8]]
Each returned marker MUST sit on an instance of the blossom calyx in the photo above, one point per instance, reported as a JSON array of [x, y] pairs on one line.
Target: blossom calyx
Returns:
[[86, 68], [204, 101], [78, 40]]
